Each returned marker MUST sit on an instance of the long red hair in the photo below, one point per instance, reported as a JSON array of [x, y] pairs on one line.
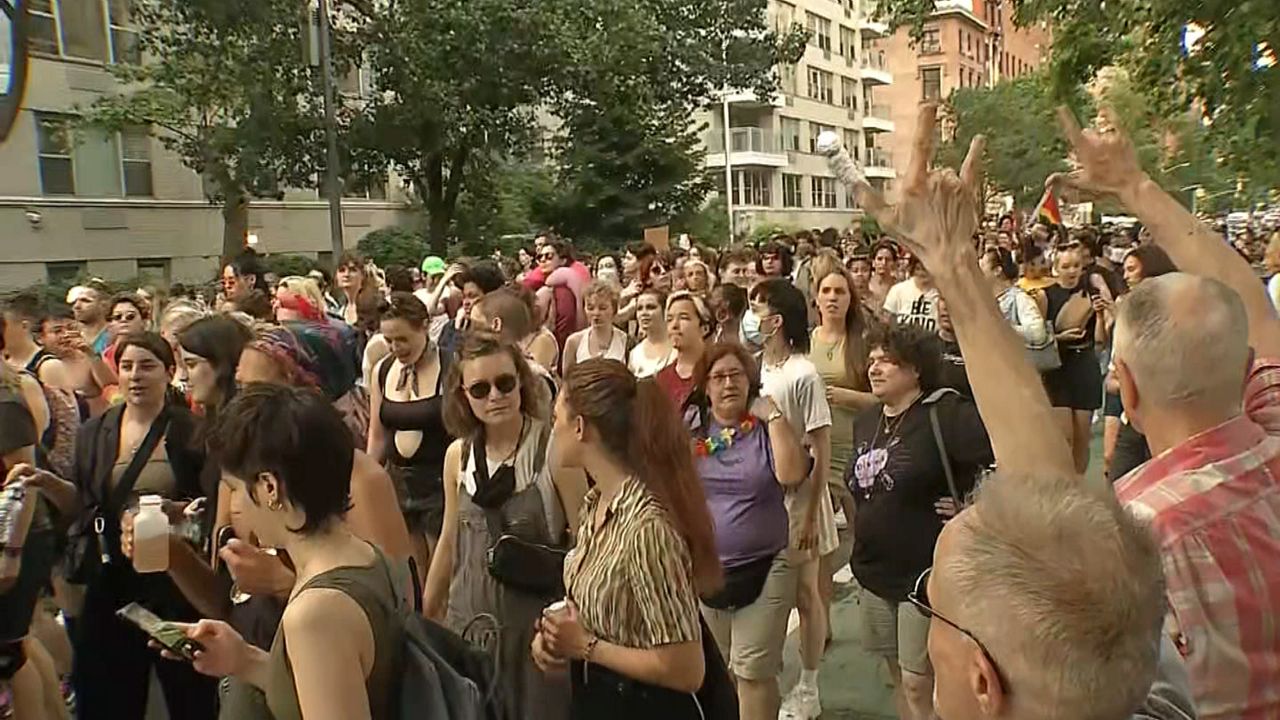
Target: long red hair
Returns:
[[638, 425]]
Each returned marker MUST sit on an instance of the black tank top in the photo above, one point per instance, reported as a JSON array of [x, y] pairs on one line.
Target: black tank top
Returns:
[[425, 416]]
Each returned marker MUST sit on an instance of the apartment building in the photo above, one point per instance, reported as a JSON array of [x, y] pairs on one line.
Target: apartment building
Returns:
[[966, 43], [118, 205], [777, 179]]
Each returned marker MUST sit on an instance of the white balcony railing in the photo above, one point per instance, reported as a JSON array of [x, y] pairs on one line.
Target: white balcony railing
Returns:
[[874, 60], [879, 158], [745, 139], [878, 111]]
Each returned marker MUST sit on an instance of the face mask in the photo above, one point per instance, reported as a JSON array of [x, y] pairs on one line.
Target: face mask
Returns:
[[750, 329]]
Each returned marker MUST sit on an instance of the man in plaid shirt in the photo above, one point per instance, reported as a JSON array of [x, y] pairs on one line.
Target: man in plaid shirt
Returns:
[[1210, 408]]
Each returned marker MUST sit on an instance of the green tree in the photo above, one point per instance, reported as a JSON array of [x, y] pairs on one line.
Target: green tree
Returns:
[[226, 88], [708, 225], [394, 246], [1024, 143], [620, 172], [456, 82], [629, 156], [460, 85], [1224, 77]]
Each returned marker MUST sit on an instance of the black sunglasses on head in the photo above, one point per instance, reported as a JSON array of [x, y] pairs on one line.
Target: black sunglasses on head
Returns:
[[919, 597], [480, 390]]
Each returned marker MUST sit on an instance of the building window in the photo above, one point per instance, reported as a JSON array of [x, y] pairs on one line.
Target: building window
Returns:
[[53, 148], [851, 142], [98, 30], [848, 43], [135, 161], [849, 93], [66, 272], [820, 85], [790, 134], [365, 188], [124, 37], [751, 187], [931, 83], [823, 192], [816, 129], [80, 28], [819, 31], [154, 271], [931, 42], [95, 164], [787, 78], [792, 196], [784, 17]]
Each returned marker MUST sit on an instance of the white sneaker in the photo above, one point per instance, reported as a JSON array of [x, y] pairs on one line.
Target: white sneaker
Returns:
[[801, 703]]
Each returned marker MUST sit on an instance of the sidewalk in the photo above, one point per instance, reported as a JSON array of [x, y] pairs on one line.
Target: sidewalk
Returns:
[[853, 684]]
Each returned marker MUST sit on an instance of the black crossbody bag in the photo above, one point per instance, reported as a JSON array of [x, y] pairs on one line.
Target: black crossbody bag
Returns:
[[533, 568], [88, 550]]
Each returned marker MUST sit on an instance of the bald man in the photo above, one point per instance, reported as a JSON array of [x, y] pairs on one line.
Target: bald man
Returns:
[[1046, 598], [1210, 408]]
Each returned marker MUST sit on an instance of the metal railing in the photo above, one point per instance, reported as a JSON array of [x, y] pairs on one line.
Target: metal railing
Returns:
[[745, 139], [874, 60], [878, 111], [879, 157]]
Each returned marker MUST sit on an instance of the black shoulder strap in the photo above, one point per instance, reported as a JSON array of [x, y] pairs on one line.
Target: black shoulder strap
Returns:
[[124, 486], [384, 369], [942, 452]]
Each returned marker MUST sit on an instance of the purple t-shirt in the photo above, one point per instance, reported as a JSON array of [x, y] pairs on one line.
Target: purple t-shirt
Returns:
[[745, 499]]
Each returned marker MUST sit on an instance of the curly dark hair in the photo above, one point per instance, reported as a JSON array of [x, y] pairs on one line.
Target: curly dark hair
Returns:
[[910, 346]]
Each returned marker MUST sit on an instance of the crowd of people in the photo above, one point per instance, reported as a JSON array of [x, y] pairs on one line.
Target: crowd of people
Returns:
[[632, 468]]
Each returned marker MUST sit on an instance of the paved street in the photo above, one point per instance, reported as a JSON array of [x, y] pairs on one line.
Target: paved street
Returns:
[[853, 684]]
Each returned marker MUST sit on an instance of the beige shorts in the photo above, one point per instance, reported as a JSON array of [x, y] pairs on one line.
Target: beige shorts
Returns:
[[752, 638], [839, 558], [895, 630]]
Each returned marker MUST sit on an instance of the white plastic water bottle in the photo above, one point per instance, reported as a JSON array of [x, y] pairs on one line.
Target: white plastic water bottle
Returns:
[[151, 536]]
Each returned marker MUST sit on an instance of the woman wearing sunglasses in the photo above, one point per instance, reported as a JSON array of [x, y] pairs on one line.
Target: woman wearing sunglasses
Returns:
[[498, 483]]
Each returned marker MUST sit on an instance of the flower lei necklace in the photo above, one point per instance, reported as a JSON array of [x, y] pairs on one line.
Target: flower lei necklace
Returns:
[[723, 440]]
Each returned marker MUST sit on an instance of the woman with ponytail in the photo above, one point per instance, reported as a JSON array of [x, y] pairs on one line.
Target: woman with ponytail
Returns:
[[629, 632]]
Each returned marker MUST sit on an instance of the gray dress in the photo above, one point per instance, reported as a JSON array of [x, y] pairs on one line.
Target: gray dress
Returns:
[[533, 513]]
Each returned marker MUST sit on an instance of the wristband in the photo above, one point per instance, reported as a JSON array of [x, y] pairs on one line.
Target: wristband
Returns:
[[591, 646]]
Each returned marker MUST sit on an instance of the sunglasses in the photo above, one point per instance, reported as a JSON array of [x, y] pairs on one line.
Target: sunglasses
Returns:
[[124, 318], [919, 596], [480, 390], [547, 256]]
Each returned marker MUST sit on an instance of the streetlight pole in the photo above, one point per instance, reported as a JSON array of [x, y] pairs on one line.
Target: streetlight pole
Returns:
[[728, 164], [333, 183]]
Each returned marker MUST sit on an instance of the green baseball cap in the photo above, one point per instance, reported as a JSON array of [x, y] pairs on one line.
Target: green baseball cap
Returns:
[[433, 265]]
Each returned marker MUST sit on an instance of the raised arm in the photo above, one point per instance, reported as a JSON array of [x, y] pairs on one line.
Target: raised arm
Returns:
[[936, 218], [1109, 167]]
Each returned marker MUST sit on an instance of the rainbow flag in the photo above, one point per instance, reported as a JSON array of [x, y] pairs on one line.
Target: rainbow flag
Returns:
[[1047, 211]]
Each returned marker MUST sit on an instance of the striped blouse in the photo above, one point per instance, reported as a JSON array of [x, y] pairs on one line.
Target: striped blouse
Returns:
[[632, 577]]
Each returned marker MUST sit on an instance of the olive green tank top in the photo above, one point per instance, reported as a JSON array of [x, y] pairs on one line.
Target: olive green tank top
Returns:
[[370, 586]]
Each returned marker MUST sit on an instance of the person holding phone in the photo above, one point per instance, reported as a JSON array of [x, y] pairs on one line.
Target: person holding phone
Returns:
[[143, 446], [288, 457], [1080, 307]]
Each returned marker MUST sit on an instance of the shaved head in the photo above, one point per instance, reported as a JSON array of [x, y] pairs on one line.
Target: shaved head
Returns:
[[1185, 341]]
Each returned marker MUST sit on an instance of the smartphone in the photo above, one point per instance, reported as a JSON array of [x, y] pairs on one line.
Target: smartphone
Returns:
[[170, 636]]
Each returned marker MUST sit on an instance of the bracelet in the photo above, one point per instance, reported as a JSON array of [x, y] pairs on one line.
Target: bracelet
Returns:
[[775, 415], [591, 646]]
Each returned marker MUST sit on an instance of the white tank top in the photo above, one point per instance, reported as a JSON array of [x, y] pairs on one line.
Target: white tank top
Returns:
[[617, 347]]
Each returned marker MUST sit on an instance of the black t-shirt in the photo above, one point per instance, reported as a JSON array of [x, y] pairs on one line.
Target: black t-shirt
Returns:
[[896, 476], [17, 426], [951, 370]]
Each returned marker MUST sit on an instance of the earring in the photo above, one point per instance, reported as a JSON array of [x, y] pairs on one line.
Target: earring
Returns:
[[275, 505]]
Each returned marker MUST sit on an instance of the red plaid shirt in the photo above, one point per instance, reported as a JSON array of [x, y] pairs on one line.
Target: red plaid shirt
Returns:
[[1214, 503]]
